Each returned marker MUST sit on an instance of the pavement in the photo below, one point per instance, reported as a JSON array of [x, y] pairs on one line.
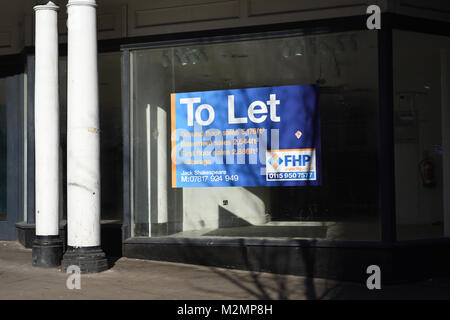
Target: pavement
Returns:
[[153, 280]]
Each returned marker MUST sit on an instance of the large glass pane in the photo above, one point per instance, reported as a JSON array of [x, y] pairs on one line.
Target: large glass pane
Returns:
[[2, 149], [421, 115], [345, 206]]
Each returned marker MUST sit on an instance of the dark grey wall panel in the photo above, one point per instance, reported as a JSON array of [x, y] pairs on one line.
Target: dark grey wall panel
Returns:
[[269, 7], [187, 13]]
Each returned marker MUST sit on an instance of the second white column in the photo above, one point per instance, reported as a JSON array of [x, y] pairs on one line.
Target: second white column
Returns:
[[83, 140]]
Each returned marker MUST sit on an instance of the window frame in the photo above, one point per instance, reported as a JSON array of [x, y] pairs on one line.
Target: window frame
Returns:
[[390, 21]]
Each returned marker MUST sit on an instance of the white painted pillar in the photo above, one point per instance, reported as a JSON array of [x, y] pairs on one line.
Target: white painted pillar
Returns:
[[47, 247], [83, 140], [46, 115]]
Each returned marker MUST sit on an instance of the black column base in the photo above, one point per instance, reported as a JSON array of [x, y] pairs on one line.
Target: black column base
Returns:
[[47, 251], [88, 259]]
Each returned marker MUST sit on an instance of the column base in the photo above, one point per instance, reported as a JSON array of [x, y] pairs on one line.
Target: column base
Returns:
[[88, 259], [47, 251]]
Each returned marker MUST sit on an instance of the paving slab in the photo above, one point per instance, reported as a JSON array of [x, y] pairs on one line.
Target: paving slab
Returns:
[[154, 280]]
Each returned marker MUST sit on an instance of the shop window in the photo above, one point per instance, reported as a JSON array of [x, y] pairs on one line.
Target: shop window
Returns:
[[421, 124], [345, 206], [2, 149]]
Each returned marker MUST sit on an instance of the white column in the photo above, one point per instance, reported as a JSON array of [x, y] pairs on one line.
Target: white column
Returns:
[[47, 246], [47, 120], [83, 140]]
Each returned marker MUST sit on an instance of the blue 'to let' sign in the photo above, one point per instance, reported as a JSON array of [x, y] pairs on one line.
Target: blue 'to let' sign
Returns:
[[266, 136]]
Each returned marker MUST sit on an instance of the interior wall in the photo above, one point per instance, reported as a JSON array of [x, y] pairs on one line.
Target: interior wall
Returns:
[[418, 111]]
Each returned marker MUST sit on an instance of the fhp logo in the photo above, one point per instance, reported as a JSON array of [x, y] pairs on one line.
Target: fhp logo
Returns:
[[294, 159], [291, 165]]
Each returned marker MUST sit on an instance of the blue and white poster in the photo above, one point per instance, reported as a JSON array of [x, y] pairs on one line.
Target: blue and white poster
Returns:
[[267, 136]]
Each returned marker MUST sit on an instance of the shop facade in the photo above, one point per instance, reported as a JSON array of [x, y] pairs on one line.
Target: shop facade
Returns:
[[383, 100]]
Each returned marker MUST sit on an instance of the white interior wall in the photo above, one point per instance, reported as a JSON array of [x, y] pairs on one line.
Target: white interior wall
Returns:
[[415, 203], [201, 206]]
